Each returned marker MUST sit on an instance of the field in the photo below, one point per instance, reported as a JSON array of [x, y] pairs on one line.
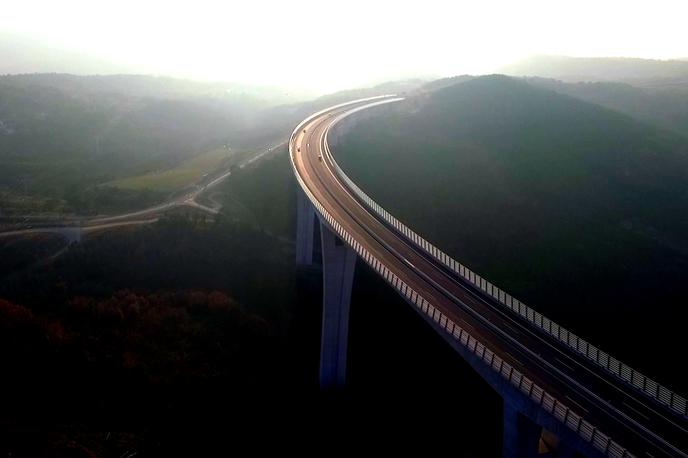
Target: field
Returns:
[[178, 177]]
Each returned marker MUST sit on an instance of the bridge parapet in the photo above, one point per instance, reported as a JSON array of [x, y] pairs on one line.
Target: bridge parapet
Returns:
[[505, 371], [627, 374]]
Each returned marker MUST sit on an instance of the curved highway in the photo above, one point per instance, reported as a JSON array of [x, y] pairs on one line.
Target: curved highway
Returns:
[[636, 422]]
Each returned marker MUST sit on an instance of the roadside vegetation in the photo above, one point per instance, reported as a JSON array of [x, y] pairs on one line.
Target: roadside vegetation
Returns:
[[170, 338], [181, 176]]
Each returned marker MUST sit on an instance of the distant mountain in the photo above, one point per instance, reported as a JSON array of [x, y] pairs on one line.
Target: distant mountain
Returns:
[[446, 82], [151, 87], [284, 118], [665, 107], [21, 54], [48, 65], [572, 207], [572, 69], [389, 87], [61, 135]]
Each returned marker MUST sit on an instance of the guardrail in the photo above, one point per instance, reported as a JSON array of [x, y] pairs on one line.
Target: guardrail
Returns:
[[521, 382], [615, 367]]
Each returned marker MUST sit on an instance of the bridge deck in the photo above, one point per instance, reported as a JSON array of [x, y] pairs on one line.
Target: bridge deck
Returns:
[[622, 413]]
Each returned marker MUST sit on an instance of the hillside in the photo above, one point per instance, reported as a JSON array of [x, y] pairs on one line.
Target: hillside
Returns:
[[191, 327], [66, 139], [574, 208], [646, 72], [155, 87], [665, 107], [284, 118], [62, 135]]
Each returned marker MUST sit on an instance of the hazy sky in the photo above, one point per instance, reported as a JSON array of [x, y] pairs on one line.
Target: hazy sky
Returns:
[[326, 45]]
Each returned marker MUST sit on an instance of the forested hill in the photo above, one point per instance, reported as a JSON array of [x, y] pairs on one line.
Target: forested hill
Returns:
[[665, 107], [572, 207], [61, 131], [65, 139], [642, 71]]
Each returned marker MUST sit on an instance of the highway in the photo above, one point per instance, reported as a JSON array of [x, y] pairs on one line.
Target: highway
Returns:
[[62, 230], [638, 423]]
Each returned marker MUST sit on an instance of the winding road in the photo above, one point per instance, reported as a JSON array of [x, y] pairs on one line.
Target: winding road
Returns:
[[641, 425], [144, 216]]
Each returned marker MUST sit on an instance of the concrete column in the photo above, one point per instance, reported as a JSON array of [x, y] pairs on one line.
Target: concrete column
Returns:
[[339, 262], [521, 436], [305, 228]]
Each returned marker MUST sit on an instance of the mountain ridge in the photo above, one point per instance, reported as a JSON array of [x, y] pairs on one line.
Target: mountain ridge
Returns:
[[573, 69], [565, 204]]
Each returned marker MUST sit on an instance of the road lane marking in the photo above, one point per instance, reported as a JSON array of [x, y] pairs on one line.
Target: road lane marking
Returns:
[[635, 410], [504, 323], [577, 404], [565, 365], [514, 359]]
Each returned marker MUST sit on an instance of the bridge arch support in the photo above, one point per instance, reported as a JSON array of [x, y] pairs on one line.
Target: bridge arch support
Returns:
[[305, 229]]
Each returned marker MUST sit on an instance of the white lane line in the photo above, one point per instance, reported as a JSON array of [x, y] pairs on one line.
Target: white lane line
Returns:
[[505, 324], [514, 359], [578, 405], [565, 365], [635, 410]]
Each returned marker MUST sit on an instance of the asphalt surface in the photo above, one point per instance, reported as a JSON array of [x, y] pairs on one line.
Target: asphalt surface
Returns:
[[638, 423]]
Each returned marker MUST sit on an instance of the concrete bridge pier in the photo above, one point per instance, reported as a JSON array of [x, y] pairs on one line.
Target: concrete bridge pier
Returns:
[[339, 262], [521, 436], [305, 229]]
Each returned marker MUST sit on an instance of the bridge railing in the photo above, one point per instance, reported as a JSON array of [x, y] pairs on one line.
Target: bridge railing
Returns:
[[612, 365], [516, 378]]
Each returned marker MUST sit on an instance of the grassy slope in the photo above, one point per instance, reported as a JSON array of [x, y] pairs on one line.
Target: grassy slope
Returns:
[[575, 209], [177, 177]]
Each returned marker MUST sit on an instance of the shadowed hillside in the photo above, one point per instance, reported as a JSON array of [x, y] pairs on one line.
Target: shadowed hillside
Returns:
[[62, 135], [645, 72], [663, 107], [65, 139], [575, 209]]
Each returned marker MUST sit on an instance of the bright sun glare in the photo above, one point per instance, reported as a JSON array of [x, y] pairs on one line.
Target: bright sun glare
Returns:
[[323, 46]]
